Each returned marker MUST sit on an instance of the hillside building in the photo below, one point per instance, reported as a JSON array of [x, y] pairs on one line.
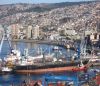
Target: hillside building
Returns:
[[36, 32]]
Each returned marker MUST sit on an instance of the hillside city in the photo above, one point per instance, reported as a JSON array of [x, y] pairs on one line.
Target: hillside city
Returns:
[[50, 44], [70, 21]]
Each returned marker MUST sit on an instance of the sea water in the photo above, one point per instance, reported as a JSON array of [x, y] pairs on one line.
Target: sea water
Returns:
[[8, 79]]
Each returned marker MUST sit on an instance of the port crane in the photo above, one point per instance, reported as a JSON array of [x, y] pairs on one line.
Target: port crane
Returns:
[[5, 36]]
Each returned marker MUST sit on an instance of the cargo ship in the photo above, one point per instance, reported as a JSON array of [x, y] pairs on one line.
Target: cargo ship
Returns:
[[41, 65], [54, 65]]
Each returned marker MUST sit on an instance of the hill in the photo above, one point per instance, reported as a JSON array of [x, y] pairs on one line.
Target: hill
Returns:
[[52, 16]]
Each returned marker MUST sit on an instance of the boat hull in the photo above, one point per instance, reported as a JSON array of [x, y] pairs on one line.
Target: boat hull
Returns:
[[6, 72], [53, 68]]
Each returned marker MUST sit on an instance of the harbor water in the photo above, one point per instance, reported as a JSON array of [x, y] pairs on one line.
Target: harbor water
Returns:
[[8, 79]]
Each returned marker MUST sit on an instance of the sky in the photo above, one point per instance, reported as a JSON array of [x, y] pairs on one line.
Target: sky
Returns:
[[37, 1]]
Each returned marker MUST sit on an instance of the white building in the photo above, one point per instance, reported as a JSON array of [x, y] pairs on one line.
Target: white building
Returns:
[[70, 32], [36, 32], [14, 30], [54, 37], [94, 37], [29, 32], [1, 31]]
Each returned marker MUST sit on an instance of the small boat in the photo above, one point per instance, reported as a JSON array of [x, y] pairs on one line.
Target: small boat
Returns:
[[56, 48], [6, 70]]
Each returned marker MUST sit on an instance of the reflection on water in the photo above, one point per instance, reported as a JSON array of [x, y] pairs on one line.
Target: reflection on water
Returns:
[[6, 80], [35, 48]]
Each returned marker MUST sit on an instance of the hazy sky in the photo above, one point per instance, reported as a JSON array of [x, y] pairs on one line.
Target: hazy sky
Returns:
[[35, 1]]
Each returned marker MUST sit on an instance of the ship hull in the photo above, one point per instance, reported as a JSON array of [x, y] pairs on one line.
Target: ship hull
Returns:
[[6, 72], [53, 68]]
